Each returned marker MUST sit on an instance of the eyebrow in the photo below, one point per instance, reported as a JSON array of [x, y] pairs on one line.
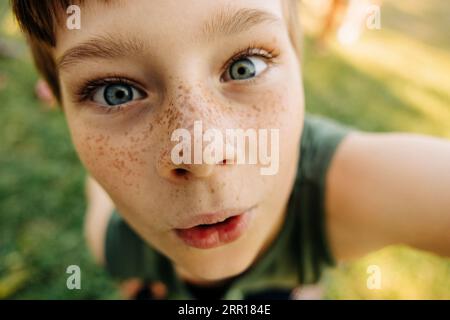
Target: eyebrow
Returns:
[[229, 21], [226, 22], [106, 47]]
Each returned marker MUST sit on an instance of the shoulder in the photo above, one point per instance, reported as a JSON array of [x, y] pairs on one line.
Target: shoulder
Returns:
[[320, 139]]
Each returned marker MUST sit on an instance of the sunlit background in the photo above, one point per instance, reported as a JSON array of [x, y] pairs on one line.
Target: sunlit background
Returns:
[[389, 77]]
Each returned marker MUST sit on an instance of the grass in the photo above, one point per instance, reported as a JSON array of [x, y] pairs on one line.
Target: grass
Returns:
[[41, 198], [393, 79]]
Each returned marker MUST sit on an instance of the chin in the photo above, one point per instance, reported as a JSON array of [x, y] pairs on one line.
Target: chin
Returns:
[[219, 266]]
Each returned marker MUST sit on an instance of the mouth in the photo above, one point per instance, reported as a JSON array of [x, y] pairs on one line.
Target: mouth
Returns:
[[215, 230]]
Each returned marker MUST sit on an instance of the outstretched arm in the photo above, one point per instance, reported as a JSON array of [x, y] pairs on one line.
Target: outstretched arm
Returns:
[[387, 189]]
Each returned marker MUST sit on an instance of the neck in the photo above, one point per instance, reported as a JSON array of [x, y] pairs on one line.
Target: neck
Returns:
[[196, 281]]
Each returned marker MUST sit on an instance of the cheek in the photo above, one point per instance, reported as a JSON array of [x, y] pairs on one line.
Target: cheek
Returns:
[[117, 161], [284, 110], [275, 108]]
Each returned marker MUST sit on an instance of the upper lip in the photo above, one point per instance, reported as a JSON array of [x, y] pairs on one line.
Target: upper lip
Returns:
[[211, 218]]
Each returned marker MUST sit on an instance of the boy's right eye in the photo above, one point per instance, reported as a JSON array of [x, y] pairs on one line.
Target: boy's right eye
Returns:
[[116, 94]]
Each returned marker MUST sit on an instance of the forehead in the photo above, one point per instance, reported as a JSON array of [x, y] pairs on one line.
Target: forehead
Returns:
[[159, 21]]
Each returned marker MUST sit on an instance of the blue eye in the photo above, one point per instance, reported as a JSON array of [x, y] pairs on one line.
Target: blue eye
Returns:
[[116, 94], [246, 68]]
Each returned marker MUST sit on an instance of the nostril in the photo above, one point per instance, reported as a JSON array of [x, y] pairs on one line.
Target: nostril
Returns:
[[180, 172]]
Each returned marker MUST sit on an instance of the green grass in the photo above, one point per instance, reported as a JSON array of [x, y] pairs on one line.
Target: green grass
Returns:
[[374, 86], [394, 79], [41, 198]]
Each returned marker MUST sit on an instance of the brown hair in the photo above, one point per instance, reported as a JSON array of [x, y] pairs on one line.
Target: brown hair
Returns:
[[39, 20]]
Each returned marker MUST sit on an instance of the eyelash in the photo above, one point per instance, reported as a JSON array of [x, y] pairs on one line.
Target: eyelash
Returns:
[[88, 89], [249, 51]]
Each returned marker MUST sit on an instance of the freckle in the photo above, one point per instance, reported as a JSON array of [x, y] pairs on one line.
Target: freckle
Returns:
[[256, 108], [99, 139], [212, 190]]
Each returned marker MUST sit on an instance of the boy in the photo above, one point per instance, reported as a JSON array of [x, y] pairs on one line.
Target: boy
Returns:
[[135, 73]]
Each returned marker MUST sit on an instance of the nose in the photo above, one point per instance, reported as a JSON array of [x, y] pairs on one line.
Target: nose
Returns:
[[185, 157], [175, 172], [197, 171]]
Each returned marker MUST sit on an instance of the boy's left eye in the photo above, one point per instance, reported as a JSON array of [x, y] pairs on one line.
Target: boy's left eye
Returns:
[[245, 68]]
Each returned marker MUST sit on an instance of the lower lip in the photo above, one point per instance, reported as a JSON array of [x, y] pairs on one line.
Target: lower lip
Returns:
[[215, 235]]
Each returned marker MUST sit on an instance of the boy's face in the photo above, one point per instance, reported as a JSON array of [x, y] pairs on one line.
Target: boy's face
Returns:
[[146, 68]]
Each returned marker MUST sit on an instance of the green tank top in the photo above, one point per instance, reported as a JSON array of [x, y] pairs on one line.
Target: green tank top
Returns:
[[297, 256]]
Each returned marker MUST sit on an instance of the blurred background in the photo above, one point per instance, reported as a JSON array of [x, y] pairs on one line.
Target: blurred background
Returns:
[[377, 70]]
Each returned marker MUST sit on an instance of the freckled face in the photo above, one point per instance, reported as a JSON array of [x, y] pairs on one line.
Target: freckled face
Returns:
[[122, 108]]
